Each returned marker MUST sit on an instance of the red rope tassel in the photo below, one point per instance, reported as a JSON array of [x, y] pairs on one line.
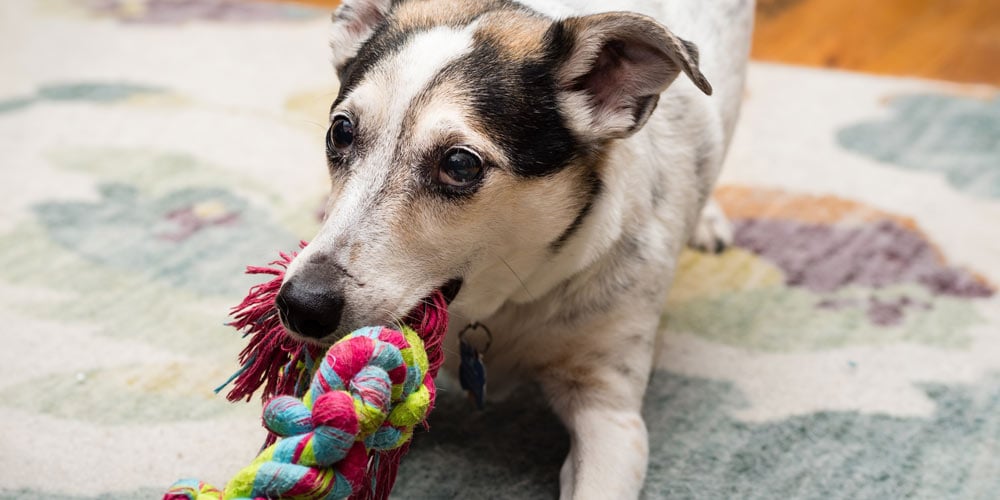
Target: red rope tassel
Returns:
[[271, 359]]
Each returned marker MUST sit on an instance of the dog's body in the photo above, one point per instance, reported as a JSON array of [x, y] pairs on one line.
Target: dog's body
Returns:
[[527, 157]]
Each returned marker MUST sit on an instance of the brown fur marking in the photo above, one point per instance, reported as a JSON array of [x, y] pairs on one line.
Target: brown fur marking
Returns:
[[519, 35], [424, 14]]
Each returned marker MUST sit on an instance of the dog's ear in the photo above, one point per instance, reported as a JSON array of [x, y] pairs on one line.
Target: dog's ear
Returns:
[[353, 23], [613, 67]]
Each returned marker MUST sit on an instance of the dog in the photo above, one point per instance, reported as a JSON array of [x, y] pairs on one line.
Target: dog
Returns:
[[543, 163]]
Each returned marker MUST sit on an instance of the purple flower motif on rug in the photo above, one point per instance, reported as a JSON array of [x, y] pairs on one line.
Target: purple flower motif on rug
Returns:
[[825, 258], [813, 272]]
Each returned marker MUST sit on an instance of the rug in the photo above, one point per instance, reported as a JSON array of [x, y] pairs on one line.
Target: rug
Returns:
[[847, 346]]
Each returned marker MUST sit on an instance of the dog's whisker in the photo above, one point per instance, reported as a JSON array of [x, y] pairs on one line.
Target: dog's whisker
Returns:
[[316, 123], [519, 280], [395, 319], [451, 313], [432, 304]]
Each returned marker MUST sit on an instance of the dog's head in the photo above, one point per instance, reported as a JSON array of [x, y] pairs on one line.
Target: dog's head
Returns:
[[466, 143]]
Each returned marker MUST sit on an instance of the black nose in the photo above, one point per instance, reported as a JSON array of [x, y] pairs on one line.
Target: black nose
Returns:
[[310, 309]]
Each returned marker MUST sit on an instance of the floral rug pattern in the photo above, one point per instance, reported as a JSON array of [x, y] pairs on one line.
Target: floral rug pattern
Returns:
[[847, 345]]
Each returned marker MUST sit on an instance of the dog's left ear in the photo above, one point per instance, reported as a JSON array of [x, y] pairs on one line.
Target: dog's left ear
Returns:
[[354, 22], [613, 67]]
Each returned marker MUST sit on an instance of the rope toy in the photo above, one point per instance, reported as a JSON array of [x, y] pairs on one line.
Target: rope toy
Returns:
[[345, 435]]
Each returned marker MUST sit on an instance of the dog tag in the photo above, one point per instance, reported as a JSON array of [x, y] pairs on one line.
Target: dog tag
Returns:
[[472, 371]]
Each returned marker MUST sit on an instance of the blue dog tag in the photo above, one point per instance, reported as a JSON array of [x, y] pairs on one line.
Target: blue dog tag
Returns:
[[472, 371]]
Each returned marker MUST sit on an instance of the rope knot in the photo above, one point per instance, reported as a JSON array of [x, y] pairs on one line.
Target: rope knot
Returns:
[[370, 391], [359, 406]]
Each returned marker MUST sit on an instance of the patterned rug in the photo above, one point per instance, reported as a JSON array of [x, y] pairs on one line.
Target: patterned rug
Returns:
[[848, 346]]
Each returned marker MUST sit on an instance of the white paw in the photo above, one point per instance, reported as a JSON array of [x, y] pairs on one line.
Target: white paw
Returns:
[[714, 232]]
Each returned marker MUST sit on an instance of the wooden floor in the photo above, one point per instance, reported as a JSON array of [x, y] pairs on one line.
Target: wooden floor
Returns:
[[944, 39], [955, 40]]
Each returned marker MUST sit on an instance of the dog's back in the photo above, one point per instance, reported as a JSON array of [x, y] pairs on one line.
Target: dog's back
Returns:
[[722, 30]]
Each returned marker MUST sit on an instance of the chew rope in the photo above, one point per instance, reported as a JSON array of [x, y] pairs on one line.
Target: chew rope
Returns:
[[345, 436], [369, 392]]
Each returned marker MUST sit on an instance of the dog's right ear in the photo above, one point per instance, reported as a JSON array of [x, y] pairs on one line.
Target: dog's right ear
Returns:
[[353, 23]]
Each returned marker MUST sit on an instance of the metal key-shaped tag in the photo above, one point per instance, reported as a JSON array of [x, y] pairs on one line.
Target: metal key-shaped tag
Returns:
[[472, 371]]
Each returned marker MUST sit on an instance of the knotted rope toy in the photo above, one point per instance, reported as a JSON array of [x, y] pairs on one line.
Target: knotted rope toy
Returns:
[[345, 436]]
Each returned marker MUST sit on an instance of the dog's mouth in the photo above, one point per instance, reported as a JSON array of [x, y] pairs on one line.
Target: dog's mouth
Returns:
[[450, 289]]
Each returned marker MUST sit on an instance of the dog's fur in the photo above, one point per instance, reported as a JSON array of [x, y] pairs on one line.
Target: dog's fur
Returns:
[[597, 167]]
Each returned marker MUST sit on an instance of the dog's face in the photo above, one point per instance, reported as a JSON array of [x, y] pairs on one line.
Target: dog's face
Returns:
[[466, 139]]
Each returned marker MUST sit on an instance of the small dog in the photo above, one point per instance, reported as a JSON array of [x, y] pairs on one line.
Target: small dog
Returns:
[[539, 163]]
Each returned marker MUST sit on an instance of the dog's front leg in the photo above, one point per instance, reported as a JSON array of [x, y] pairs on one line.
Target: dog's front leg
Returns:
[[596, 389]]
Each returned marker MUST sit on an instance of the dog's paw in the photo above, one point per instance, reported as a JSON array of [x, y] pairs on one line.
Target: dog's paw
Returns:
[[714, 232]]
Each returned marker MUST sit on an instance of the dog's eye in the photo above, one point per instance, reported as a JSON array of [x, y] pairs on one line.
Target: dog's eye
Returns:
[[341, 135], [460, 167]]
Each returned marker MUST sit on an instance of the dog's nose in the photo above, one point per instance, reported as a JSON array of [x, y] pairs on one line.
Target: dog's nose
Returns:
[[310, 309]]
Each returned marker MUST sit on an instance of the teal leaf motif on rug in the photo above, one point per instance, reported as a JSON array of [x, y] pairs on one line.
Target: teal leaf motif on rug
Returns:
[[156, 215], [195, 237], [955, 136], [165, 241], [94, 92], [698, 450]]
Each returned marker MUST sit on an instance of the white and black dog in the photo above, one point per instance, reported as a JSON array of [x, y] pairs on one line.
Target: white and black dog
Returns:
[[539, 162]]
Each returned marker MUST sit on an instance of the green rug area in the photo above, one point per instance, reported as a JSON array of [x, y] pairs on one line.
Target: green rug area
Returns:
[[846, 346], [700, 451]]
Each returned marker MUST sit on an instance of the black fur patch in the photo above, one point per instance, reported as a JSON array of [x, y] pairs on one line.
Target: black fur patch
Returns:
[[388, 38], [559, 42], [516, 102], [594, 188]]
